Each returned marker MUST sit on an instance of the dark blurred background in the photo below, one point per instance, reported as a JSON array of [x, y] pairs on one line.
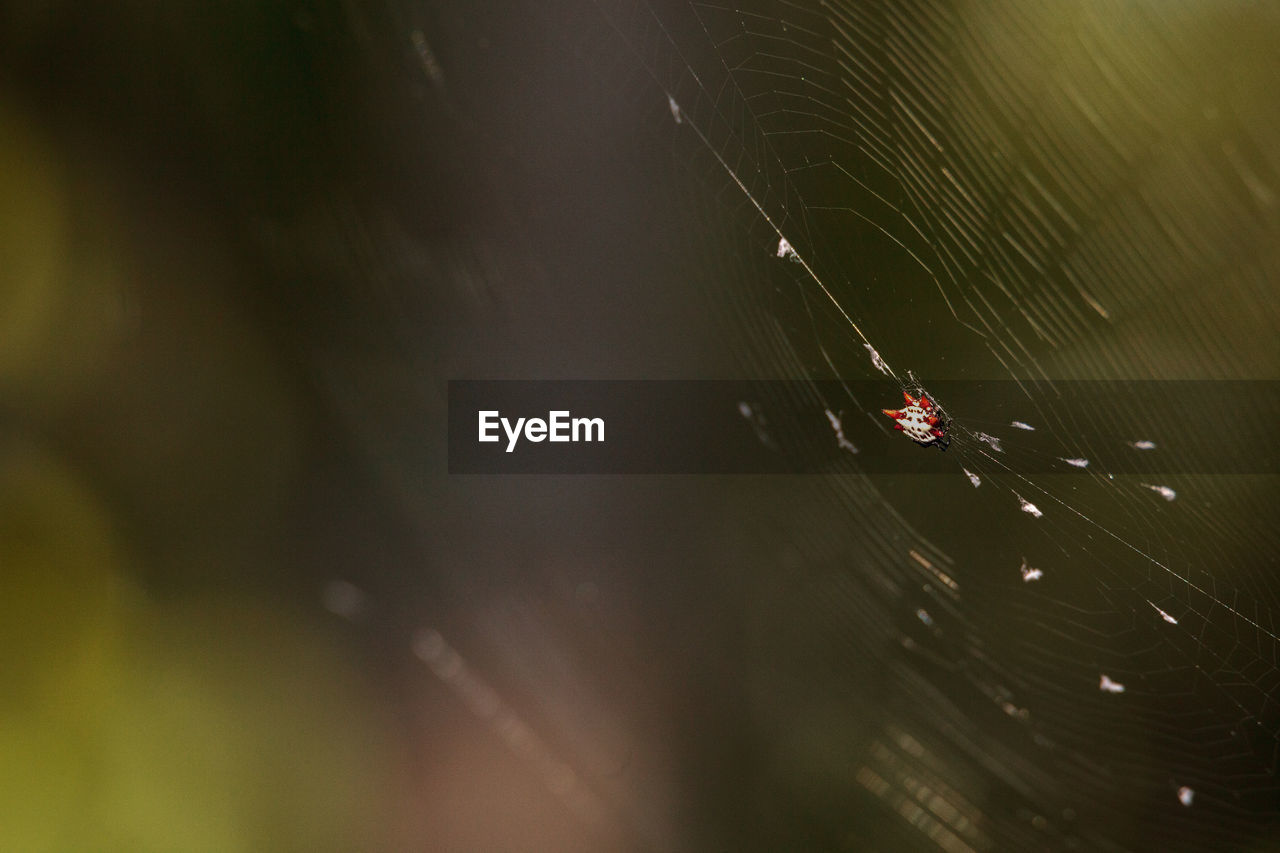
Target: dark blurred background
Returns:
[[243, 247]]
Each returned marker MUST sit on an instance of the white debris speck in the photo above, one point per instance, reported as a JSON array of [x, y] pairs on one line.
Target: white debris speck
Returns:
[[838, 425], [1186, 795], [1021, 425], [675, 110], [1106, 685], [923, 616], [1143, 445], [785, 250], [1077, 462], [1163, 615], [1164, 491], [1028, 506], [1014, 711], [344, 599], [876, 361], [991, 440], [758, 422], [1030, 574], [430, 65], [973, 478]]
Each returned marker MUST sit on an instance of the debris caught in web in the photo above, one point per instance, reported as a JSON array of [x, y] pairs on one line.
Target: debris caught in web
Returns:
[[1106, 685], [838, 426], [876, 361], [990, 440]]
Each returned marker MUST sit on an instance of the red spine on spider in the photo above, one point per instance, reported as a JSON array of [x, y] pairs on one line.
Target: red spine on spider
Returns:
[[921, 421]]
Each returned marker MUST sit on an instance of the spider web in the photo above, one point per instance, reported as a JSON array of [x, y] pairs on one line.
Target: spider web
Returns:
[[1038, 648], [1081, 659]]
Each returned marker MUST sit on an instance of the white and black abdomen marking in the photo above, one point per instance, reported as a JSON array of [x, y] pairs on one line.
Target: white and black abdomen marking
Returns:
[[916, 426]]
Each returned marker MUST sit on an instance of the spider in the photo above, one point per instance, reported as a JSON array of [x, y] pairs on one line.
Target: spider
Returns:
[[921, 421]]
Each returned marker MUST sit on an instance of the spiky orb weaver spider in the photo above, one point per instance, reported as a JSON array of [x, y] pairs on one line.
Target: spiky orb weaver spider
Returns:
[[921, 421]]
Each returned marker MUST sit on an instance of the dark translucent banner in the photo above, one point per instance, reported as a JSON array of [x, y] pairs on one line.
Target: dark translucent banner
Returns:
[[797, 427]]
